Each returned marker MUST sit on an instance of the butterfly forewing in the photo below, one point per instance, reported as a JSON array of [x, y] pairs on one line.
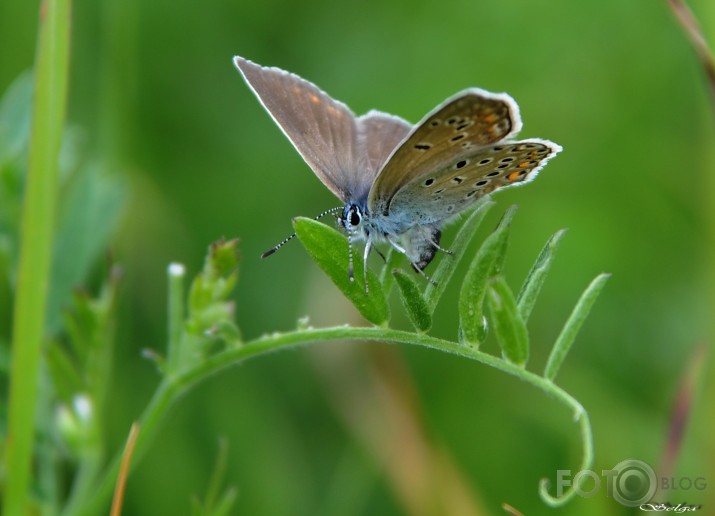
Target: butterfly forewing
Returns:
[[464, 123], [445, 192], [324, 131]]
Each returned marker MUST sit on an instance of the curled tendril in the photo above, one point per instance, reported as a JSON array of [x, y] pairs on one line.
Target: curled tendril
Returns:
[[586, 462]]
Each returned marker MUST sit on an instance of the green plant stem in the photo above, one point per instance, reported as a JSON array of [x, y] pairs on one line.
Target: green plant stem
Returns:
[[176, 275], [51, 66], [174, 386]]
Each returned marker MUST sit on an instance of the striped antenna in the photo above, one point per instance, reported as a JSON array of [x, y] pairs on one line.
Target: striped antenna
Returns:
[[285, 241], [351, 274]]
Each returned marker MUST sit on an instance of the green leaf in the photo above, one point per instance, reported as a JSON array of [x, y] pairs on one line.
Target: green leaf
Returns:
[[87, 216], [415, 305], [208, 304], [445, 268], [509, 328], [15, 109], [503, 229], [573, 325], [392, 260], [66, 378], [215, 503], [487, 263], [537, 275], [330, 251]]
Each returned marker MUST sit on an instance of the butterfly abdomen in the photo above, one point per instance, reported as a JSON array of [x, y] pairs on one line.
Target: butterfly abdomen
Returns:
[[421, 244]]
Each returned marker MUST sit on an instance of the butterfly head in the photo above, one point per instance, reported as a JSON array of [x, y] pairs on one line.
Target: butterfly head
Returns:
[[352, 219]]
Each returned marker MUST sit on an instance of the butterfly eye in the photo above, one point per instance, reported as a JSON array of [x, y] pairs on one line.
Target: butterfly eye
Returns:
[[354, 217]]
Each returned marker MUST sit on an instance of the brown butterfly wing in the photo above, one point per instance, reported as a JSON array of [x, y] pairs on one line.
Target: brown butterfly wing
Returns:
[[470, 120], [437, 196], [380, 134], [323, 130]]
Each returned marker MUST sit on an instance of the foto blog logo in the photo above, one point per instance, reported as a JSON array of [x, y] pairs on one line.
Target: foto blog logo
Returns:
[[631, 482]]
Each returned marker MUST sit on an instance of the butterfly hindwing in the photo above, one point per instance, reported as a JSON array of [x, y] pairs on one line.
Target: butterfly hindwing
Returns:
[[443, 193], [378, 135], [464, 123]]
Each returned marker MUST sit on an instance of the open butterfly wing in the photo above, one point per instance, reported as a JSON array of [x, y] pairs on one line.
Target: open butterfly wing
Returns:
[[443, 193], [324, 131], [464, 123]]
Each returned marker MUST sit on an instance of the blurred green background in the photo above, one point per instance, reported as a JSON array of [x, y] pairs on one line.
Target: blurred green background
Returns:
[[346, 429]]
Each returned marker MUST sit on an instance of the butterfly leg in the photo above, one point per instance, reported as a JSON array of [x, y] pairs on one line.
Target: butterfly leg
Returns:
[[395, 245], [435, 244], [416, 266], [368, 247], [422, 273]]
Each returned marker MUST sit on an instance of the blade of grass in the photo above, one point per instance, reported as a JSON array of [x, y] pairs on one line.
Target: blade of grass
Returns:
[[573, 325], [693, 31], [51, 71], [682, 408], [118, 499]]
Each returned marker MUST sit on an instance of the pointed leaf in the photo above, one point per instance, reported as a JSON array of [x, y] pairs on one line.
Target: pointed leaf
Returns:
[[66, 378], [415, 305], [445, 268], [503, 229], [329, 249], [486, 264], [573, 325], [392, 260], [537, 275], [15, 107], [509, 329]]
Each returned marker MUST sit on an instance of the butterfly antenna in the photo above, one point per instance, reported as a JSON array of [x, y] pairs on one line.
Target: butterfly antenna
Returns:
[[351, 275], [276, 247], [285, 241]]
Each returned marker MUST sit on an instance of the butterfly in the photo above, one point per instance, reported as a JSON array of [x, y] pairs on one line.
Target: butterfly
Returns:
[[399, 182]]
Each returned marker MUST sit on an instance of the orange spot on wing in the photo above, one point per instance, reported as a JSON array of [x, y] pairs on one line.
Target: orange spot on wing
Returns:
[[490, 119], [514, 176], [524, 164], [314, 98]]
